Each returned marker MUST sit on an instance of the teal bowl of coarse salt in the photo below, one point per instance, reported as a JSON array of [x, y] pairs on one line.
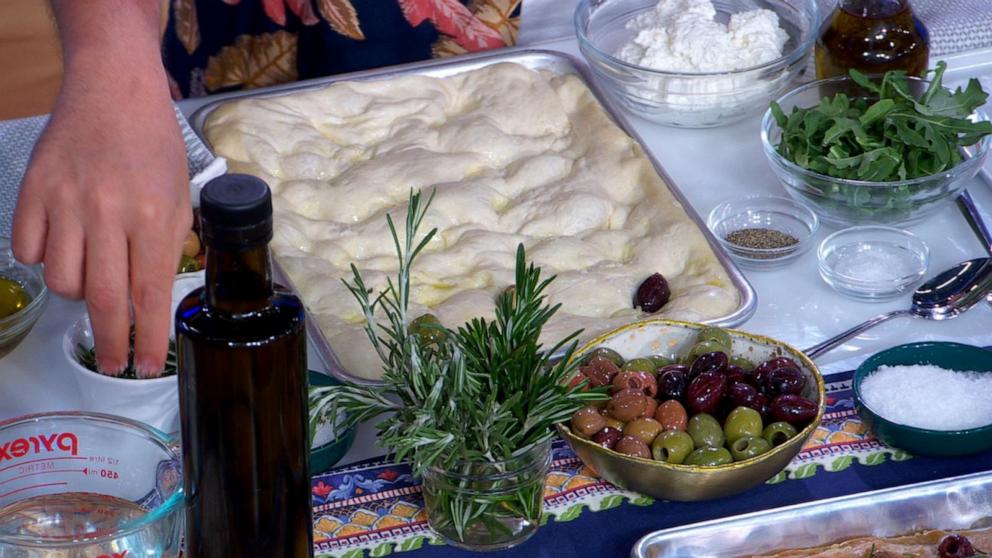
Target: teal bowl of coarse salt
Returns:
[[930, 398]]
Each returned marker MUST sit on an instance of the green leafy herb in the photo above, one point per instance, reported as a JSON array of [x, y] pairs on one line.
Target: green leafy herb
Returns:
[[87, 358], [483, 393], [886, 137]]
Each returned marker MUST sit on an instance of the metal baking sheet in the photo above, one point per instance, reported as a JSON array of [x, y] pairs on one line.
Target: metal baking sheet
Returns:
[[554, 62], [957, 503]]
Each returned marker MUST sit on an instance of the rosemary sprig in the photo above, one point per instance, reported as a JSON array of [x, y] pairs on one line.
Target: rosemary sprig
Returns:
[[86, 356], [487, 391]]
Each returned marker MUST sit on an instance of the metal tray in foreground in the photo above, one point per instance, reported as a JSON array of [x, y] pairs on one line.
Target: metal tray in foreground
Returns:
[[956, 503]]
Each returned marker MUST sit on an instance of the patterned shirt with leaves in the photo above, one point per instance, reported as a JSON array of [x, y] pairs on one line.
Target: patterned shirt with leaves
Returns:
[[211, 46]]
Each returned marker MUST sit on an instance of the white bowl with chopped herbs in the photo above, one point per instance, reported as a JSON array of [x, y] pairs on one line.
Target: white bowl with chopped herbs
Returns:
[[880, 150]]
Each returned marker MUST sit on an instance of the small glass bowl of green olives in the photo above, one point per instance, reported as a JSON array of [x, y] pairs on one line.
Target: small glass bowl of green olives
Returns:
[[695, 411]]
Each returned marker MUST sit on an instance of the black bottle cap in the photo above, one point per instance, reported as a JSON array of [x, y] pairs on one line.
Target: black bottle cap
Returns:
[[236, 212]]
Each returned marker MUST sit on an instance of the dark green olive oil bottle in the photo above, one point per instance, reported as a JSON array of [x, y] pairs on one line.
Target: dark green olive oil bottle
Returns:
[[243, 389]]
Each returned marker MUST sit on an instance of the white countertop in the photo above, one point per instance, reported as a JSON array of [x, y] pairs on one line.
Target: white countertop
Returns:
[[708, 166]]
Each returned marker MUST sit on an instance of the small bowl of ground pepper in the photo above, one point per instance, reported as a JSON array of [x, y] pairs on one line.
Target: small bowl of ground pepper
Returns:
[[763, 232]]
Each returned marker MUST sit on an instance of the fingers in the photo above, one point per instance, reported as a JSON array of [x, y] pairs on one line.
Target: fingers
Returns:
[[64, 256], [153, 267], [106, 293], [30, 224]]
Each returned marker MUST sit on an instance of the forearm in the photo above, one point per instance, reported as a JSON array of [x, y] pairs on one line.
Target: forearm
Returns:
[[113, 42]]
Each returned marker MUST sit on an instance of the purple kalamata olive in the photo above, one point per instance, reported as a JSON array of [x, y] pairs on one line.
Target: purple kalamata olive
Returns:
[[736, 375], [607, 437], [652, 294], [794, 409], [636, 379], [785, 380], [705, 392], [708, 362], [955, 546], [763, 370], [743, 395], [672, 381]]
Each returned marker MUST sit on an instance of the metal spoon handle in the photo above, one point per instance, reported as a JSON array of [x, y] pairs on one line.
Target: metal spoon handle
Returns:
[[817, 350], [970, 210]]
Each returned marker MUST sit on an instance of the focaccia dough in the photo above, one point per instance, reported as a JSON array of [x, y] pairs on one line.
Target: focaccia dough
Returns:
[[515, 156]]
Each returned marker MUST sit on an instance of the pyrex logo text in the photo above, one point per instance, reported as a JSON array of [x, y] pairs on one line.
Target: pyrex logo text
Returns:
[[66, 441]]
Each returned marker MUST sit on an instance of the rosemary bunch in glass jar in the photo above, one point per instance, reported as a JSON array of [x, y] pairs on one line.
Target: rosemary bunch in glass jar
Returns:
[[472, 407]]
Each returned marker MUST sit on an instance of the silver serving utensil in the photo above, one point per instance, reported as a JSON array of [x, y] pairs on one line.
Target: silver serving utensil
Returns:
[[970, 210], [943, 297]]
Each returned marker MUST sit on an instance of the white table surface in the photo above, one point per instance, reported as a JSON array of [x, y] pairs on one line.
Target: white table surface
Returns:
[[709, 166]]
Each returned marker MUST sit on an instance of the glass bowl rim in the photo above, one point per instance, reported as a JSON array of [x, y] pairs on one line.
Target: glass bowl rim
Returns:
[[812, 220], [154, 515], [768, 124], [27, 314], [853, 281], [801, 50]]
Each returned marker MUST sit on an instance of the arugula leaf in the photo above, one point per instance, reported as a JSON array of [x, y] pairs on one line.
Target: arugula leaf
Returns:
[[888, 134]]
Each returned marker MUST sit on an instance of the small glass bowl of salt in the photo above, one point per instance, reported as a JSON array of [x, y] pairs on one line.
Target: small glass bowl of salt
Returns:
[[873, 262]]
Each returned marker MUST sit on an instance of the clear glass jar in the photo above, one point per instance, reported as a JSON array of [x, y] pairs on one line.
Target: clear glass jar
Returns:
[[872, 36], [484, 505]]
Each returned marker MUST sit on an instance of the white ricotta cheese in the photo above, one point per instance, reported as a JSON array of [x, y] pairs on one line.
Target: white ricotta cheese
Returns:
[[684, 36], [515, 157]]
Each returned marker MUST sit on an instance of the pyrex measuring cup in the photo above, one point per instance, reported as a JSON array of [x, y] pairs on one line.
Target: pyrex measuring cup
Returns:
[[88, 485]]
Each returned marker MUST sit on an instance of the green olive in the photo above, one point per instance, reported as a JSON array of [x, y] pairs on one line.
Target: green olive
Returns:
[[742, 421], [429, 329], [705, 431], [639, 365], [742, 362], [709, 457], [188, 264], [747, 447], [707, 347], [661, 360], [672, 447], [608, 354], [714, 334], [777, 433]]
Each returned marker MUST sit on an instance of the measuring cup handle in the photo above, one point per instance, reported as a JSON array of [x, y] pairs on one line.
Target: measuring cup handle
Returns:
[[817, 350]]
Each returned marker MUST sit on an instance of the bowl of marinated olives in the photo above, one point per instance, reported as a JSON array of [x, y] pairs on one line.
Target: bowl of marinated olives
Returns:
[[695, 412]]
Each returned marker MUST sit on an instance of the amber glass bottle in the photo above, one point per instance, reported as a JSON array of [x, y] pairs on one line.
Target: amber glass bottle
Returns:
[[242, 389], [873, 36]]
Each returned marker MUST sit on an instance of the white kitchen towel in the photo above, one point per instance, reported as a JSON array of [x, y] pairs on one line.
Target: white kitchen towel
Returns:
[[954, 25]]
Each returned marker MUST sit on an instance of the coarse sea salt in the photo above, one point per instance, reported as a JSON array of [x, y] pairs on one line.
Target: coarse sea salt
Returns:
[[930, 397]]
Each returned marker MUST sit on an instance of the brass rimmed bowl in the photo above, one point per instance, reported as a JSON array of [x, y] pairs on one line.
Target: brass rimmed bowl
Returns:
[[686, 482]]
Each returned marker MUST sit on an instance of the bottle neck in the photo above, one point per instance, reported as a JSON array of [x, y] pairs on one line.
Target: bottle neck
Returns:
[[239, 281], [874, 8]]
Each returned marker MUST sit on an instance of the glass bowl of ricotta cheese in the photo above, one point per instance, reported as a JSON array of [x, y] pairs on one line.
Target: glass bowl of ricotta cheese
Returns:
[[696, 63]]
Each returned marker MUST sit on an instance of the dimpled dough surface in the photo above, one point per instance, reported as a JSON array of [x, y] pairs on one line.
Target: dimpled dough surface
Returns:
[[515, 156]]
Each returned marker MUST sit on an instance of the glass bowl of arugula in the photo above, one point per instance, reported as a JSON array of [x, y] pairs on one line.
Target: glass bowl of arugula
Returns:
[[862, 150]]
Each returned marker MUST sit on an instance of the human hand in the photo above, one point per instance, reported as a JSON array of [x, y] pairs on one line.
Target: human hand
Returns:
[[105, 205]]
